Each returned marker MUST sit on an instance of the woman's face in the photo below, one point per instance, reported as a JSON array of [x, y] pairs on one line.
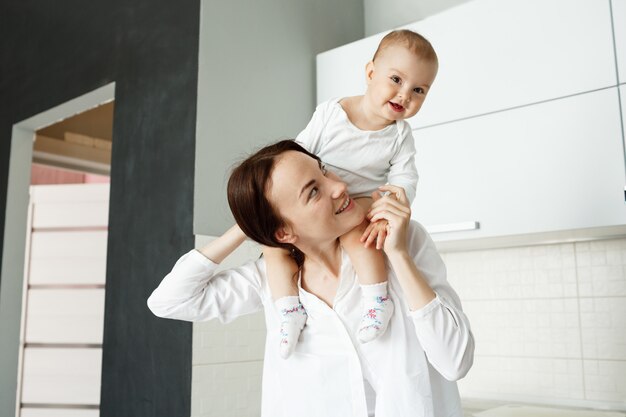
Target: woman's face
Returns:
[[314, 203]]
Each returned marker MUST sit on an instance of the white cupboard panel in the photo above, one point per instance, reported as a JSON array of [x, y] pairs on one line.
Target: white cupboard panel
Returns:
[[619, 22], [69, 193], [58, 412], [622, 91], [548, 167], [61, 376], [81, 214], [65, 316], [70, 257], [70, 205], [494, 55]]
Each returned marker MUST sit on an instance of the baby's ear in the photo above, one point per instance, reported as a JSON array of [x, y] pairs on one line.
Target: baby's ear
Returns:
[[369, 72], [284, 234]]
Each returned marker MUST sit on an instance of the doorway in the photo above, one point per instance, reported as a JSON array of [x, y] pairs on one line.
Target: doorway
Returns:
[[55, 143]]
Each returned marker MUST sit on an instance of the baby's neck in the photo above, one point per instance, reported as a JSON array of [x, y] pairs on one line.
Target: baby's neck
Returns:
[[361, 116]]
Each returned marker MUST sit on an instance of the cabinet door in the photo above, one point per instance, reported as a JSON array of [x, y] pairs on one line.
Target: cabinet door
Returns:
[[65, 315], [68, 257], [495, 55], [548, 167], [619, 24], [61, 376]]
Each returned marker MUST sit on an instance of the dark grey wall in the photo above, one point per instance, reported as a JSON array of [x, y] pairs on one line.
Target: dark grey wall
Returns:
[[51, 52]]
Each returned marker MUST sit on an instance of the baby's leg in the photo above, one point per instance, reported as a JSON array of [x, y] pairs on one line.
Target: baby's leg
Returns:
[[281, 272], [369, 265], [282, 278]]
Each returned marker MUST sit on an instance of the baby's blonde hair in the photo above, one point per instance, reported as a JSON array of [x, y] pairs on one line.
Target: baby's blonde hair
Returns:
[[413, 41]]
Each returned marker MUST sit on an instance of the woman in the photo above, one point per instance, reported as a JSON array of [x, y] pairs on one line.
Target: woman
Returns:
[[282, 196]]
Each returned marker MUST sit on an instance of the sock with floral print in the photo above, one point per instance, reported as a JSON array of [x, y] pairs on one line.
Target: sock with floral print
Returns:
[[292, 316], [377, 310]]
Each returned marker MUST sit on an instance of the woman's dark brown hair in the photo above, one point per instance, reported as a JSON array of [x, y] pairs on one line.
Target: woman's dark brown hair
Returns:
[[247, 188]]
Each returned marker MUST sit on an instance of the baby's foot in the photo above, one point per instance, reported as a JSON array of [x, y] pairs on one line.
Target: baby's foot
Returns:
[[377, 310], [293, 316]]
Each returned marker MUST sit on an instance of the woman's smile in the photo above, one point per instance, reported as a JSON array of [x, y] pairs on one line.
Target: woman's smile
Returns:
[[346, 206]]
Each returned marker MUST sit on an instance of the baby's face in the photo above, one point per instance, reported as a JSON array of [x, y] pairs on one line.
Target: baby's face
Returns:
[[398, 83]]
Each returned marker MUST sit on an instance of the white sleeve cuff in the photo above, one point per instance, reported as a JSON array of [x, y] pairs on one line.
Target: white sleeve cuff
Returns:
[[197, 256], [427, 309]]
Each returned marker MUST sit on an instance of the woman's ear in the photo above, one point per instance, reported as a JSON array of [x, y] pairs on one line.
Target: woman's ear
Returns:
[[369, 72], [285, 234]]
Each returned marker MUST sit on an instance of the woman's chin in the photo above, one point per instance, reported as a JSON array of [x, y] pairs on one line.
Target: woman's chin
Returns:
[[356, 219]]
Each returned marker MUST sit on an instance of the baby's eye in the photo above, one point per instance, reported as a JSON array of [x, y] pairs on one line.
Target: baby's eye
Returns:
[[324, 170], [395, 79], [419, 90]]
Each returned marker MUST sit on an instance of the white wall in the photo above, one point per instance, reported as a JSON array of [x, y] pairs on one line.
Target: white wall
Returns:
[[256, 83], [548, 322], [227, 359], [383, 15]]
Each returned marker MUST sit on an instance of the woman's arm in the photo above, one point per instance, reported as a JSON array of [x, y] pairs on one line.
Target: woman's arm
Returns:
[[441, 326], [223, 246], [195, 291], [395, 210]]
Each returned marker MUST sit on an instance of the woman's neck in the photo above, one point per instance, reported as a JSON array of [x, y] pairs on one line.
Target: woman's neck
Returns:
[[323, 258]]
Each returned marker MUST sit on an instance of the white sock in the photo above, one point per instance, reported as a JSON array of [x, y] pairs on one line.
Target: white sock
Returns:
[[293, 317], [377, 310]]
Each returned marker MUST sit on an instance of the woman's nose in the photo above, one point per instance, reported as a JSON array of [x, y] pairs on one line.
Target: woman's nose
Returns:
[[339, 188]]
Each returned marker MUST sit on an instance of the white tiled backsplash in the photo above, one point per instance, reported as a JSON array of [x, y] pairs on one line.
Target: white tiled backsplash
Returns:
[[549, 322]]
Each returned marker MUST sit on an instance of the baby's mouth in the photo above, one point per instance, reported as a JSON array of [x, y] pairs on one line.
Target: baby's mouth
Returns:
[[396, 107]]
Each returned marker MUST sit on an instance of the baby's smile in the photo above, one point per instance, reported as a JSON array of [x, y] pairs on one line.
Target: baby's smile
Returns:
[[396, 107]]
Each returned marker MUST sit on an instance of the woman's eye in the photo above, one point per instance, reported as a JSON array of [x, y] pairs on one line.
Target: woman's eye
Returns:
[[313, 192], [419, 90], [395, 79]]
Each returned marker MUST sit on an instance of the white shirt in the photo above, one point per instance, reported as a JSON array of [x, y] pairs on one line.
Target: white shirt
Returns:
[[413, 366], [364, 159]]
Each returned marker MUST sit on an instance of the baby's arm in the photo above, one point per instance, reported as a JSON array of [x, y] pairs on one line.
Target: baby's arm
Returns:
[[403, 172], [281, 272], [368, 262]]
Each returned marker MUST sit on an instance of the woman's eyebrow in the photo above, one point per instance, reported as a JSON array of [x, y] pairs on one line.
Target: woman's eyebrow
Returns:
[[307, 185]]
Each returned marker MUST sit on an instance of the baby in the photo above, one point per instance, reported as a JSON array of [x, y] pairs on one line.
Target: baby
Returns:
[[367, 142]]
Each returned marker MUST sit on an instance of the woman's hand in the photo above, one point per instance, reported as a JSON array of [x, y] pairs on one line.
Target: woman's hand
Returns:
[[395, 209]]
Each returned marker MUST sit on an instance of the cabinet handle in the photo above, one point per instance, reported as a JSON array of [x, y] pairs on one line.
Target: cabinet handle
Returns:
[[452, 227]]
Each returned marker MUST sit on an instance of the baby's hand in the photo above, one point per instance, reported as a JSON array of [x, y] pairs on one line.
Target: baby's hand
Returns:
[[375, 231]]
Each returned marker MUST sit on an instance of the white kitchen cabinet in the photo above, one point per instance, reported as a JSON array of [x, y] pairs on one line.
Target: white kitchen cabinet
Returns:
[[495, 55], [63, 312], [65, 315], [619, 23], [58, 412], [554, 169], [622, 90], [53, 252], [61, 376], [70, 205]]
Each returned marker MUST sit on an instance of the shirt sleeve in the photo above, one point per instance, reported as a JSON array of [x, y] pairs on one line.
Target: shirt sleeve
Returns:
[[312, 135], [442, 327], [194, 291], [403, 172]]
